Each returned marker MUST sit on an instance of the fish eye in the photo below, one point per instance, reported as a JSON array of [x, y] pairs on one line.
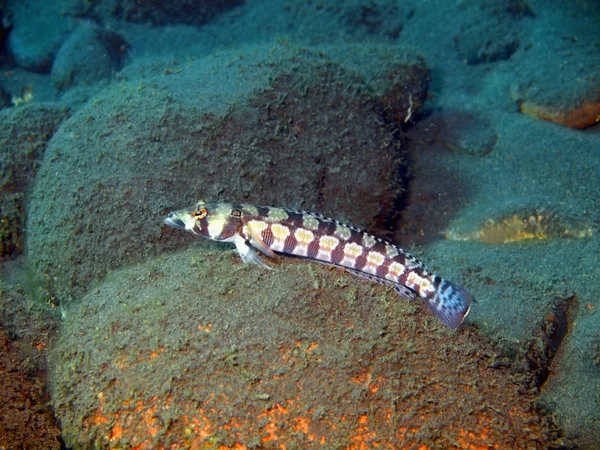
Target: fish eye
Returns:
[[200, 214], [235, 213]]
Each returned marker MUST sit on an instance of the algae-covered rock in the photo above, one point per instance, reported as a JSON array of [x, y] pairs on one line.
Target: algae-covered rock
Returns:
[[195, 349], [565, 88], [24, 133], [25, 420], [157, 13], [88, 55], [26, 328], [279, 125], [572, 393], [492, 34], [38, 29]]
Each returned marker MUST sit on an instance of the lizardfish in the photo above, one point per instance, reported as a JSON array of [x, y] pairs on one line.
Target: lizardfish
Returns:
[[273, 230]]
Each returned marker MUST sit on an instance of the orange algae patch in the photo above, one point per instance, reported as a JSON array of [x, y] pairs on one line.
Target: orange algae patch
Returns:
[[523, 226], [273, 418], [289, 423], [156, 353], [366, 380], [365, 437], [581, 117], [116, 432]]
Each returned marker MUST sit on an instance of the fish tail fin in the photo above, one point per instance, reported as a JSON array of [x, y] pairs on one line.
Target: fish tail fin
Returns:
[[449, 302]]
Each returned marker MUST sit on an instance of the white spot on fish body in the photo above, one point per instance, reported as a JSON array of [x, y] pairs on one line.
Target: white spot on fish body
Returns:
[[303, 238], [250, 210], [368, 241], [351, 252], [375, 259], [280, 233], [310, 223], [276, 215], [391, 251], [327, 244], [343, 232], [418, 283], [395, 270], [257, 226]]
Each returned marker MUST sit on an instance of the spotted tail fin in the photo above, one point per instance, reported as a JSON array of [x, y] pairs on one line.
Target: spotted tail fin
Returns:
[[450, 303]]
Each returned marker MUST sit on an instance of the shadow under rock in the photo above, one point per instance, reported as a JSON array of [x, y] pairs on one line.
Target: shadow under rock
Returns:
[[436, 192]]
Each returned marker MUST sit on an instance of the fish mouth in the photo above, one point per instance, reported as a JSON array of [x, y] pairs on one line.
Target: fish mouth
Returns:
[[174, 222]]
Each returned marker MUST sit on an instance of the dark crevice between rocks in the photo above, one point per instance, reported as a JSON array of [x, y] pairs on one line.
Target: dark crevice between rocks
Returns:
[[535, 360], [385, 222], [5, 58], [546, 341], [402, 106]]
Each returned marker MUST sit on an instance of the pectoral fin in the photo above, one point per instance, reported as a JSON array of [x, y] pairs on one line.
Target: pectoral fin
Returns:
[[247, 253]]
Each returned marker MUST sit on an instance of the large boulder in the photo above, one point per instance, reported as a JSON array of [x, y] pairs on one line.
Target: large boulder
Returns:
[[38, 29], [194, 12], [24, 134], [89, 54], [196, 350]]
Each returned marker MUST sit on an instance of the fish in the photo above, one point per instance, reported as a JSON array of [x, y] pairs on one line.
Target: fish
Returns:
[[273, 230]]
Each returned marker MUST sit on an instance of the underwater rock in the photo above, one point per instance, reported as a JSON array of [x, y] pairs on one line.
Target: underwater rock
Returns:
[[577, 116], [12, 224], [281, 125], [565, 90], [383, 19], [571, 392], [26, 328], [404, 98], [197, 350], [25, 420], [24, 133], [88, 55], [193, 12], [493, 33], [38, 28], [499, 43]]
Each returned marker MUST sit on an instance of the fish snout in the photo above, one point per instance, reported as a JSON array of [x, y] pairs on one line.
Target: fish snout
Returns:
[[173, 221]]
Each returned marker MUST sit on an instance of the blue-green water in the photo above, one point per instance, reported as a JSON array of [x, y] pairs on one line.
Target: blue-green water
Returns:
[[464, 132]]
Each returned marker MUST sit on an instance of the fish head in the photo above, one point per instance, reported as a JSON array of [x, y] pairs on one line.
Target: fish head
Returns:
[[216, 221]]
